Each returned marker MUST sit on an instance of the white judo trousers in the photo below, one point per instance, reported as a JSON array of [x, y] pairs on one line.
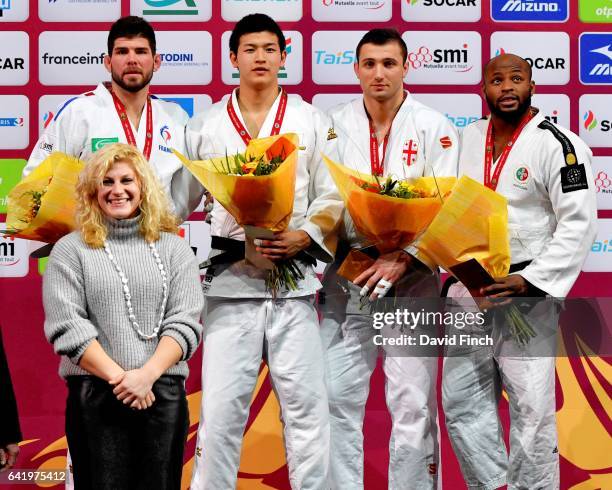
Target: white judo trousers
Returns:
[[472, 382], [410, 393], [243, 323], [421, 142], [235, 333], [551, 228]]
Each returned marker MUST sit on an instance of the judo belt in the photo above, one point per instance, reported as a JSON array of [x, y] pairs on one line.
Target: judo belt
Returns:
[[233, 251], [513, 268]]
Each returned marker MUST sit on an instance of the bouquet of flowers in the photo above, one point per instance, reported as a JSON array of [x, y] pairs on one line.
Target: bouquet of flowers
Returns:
[[390, 213], [41, 207], [257, 188], [469, 239]]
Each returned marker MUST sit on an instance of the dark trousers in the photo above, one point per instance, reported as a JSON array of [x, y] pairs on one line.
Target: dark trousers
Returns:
[[114, 447]]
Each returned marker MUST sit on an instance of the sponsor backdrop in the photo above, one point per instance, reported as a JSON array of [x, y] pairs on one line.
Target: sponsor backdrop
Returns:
[[51, 50]]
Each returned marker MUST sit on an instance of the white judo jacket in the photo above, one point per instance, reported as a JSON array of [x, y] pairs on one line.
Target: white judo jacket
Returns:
[[86, 123], [317, 205], [547, 226], [422, 142]]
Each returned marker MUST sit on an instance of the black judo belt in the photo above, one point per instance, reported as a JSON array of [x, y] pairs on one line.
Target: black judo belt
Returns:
[[233, 251]]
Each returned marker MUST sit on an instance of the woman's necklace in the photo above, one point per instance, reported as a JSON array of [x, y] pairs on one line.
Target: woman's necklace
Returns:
[[128, 297]]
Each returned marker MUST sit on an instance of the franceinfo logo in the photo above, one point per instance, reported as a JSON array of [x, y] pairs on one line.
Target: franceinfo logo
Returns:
[[529, 10], [441, 10], [84, 59], [596, 58], [72, 58]]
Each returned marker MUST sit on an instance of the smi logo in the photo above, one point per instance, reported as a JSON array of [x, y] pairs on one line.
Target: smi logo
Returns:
[[7, 253], [455, 59], [554, 117]]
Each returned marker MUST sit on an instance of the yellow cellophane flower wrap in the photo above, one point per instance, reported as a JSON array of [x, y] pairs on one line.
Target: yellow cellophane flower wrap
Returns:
[[265, 201], [58, 174], [388, 222], [472, 224]]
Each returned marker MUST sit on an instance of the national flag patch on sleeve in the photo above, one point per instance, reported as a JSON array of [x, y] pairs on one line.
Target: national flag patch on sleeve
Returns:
[[446, 142]]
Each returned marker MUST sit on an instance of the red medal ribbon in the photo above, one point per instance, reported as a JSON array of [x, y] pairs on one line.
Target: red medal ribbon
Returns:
[[278, 119], [127, 127], [491, 182], [377, 166]]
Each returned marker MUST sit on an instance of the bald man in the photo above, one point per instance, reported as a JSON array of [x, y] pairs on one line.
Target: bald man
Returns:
[[544, 172]]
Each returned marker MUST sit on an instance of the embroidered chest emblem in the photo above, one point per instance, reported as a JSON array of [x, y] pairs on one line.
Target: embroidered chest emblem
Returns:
[[410, 152]]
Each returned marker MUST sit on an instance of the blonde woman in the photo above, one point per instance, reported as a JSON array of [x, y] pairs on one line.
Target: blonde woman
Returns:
[[122, 303]]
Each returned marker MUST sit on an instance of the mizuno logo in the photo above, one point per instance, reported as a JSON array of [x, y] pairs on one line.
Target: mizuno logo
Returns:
[[605, 50], [522, 6]]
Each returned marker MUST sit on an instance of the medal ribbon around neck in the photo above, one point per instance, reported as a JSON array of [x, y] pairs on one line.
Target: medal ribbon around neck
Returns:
[[377, 165], [491, 182], [127, 127], [242, 131]]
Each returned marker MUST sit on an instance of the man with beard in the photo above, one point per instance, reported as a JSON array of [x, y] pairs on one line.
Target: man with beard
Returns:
[[123, 111], [544, 172], [385, 132]]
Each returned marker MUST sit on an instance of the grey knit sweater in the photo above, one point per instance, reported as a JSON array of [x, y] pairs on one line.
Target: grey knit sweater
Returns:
[[84, 300]]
